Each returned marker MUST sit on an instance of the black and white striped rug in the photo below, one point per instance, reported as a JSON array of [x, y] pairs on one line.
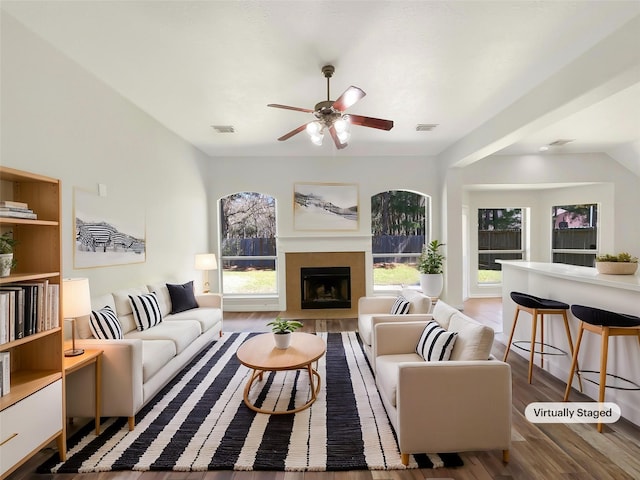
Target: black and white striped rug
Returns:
[[199, 421]]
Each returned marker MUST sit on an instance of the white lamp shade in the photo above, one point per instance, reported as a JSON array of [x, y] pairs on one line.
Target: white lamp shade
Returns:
[[76, 297], [206, 261]]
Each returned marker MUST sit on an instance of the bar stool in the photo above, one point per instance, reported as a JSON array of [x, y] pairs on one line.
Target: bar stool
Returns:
[[538, 306], [606, 324]]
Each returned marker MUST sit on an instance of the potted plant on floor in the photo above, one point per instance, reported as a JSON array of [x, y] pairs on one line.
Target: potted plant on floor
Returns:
[[282, 330], [6, 254], [622, 264], [430, 268]]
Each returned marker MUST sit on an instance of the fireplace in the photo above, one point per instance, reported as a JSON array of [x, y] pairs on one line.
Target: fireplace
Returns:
[[325, 287]]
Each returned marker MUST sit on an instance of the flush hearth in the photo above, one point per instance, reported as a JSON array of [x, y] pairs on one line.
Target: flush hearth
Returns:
[[325, 287]]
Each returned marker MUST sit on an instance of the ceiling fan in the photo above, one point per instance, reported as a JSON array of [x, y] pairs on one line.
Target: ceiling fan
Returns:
[[330, 116]]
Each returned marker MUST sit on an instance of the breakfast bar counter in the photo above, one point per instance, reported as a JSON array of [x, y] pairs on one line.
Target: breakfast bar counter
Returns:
[[583, 286]]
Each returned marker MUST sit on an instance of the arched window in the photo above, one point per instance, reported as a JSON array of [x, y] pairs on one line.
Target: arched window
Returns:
[[399, 228], [248, 244]]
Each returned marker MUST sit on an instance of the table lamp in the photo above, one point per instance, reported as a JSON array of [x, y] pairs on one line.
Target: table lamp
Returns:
[[206, 262], [76, 302]]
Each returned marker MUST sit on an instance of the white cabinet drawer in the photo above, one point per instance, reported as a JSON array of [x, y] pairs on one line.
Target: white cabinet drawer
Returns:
[[30, 422]]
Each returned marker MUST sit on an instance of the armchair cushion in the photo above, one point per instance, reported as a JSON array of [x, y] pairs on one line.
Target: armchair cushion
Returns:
[[400, 306], [474, 340], [435, 344]]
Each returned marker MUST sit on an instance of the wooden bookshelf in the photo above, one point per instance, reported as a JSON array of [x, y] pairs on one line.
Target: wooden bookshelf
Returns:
[[37, 376]]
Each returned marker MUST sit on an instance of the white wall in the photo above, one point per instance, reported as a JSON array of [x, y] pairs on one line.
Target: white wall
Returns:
[[59, 120]]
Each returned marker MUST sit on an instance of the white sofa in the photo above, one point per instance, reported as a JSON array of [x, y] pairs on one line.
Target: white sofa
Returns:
[[376, 309], [462, 404], [135, 368]]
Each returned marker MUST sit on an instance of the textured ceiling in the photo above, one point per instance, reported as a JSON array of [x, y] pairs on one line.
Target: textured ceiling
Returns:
[[457, 64]]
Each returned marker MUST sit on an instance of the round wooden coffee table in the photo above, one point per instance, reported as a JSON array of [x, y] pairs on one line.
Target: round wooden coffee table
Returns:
[[260, 354]]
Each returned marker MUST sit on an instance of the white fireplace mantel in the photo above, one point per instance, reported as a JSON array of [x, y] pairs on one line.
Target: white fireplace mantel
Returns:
[[333, 242]]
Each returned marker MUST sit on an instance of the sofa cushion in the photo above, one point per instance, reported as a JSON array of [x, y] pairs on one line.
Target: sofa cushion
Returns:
[[435, 343], [387, 373], [442, 313], [474, 340], [155, 355], [146, 310], [104, 324], [400, 306], [121, 300], [419, 303], [206, 316], [164, 300], [182, 333], [182, 297]]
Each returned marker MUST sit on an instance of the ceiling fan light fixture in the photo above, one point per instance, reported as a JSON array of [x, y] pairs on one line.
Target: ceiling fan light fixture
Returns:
[[341, 125], [316, 139], [344, 137], [314, 128]]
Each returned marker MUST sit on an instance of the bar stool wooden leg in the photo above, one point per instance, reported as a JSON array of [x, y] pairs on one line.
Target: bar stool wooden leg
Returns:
[[513, 329], [574, 362], [604, 352], [541, 341], [534, 323], [568, 330]]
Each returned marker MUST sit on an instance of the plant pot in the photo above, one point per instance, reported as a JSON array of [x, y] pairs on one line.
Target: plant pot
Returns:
[[431, 284], [616, 268], [283, 340], [6, 260]]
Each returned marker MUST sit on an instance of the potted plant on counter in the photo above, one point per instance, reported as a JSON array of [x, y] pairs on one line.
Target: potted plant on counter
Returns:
[[430, 268], [282, 330], [6, 254], [621, 264]]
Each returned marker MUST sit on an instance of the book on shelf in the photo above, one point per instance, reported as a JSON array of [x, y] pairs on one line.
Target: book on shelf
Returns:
[[5, 373], [33, 307], [14, 212], [13, 203], [5, 331]]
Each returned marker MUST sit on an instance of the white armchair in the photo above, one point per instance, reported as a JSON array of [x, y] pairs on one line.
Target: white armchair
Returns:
[[376, 309], [463, 404]]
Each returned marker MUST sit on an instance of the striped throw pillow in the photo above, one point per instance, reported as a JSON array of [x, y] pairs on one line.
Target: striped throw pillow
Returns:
[[104, 324], [400, 306], [146, 310], [436, 343]]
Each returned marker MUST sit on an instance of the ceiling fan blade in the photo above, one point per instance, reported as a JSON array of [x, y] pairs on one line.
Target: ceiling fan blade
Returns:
[[336, 140], [350, 96], [371, 122], [286, 107], [293, 132]]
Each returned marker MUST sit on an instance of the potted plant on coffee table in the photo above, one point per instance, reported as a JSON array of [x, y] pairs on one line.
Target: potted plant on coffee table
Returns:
[[6, 254], [621, 264], [430, 268], [282, 330]]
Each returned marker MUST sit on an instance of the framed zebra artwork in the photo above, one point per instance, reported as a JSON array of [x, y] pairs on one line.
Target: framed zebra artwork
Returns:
[[106, 233], [325, 206]]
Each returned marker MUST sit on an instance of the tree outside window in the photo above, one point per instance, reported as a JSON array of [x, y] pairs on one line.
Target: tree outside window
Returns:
[[398, 228], [575, 234], [499, 238], [248, 244]]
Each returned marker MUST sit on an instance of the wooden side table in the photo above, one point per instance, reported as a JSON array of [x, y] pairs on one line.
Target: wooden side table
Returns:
[[71, 364]]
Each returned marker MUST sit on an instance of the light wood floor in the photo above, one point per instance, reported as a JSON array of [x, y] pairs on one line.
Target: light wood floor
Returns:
[[539, 451]]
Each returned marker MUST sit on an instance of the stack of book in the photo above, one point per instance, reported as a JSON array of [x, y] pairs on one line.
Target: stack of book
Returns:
[[27, 308], [5, 373], [9, 208]]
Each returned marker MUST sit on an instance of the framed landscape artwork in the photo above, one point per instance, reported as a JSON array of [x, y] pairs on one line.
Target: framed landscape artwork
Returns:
[[106, 234], [325, 206]]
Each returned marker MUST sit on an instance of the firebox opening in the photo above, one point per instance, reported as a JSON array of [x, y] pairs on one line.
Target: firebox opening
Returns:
[[325, 287]]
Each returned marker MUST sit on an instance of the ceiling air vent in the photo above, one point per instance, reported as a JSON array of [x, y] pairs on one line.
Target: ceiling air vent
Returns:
[[224, 128], [426, 127], [560, 142]]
